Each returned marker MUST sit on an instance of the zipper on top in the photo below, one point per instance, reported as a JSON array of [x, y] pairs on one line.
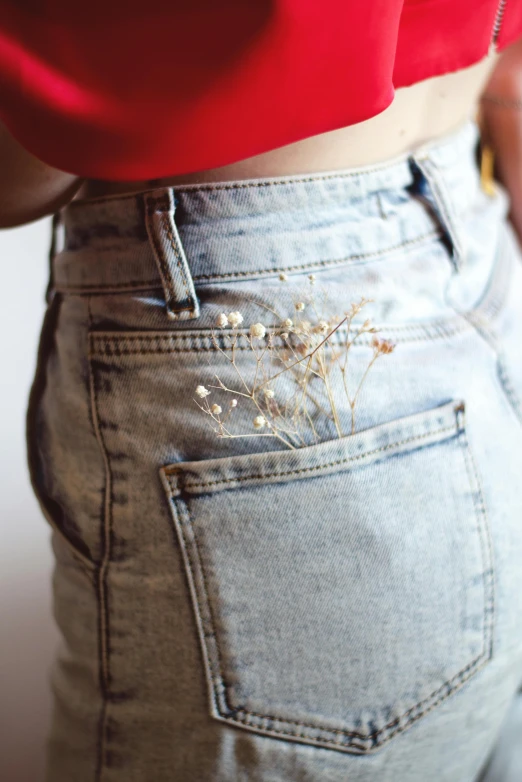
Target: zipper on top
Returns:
[[497, 25]]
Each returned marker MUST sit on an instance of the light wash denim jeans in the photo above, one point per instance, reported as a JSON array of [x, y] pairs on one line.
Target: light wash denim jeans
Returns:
[[234, 610]]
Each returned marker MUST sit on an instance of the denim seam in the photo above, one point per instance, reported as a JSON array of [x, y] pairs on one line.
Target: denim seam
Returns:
[[448, 222], [395, 725], [506, 383], [210, 659], [391, 730], [242, 716], [85, 290], [491, 305], [202, 333], [255, 272], [485, 543], [328, 263], [493, 299], [115, 346], [237, 185], [502, 374], [101, 579], [319, 467]]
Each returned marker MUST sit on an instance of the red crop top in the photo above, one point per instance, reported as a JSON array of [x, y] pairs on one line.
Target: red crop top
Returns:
[[126, 90]]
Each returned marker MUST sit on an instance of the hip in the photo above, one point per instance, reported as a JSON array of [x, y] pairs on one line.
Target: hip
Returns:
[[276, 427]]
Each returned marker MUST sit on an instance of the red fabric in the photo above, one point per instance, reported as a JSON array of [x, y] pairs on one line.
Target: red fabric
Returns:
[[129, 90]]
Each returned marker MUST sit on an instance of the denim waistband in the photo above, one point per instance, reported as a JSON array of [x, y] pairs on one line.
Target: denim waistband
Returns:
[[181, 237]]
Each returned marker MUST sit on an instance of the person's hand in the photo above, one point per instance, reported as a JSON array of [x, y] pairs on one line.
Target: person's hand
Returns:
[[501, 126], [29, 188]]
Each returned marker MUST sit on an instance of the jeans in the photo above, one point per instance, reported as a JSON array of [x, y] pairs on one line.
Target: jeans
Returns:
[[247, 592]]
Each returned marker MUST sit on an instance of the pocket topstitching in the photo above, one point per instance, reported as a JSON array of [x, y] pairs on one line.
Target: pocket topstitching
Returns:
[[344, 589]]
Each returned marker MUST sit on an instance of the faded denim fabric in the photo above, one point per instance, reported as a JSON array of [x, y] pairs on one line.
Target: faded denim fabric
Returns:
[[234, 610]]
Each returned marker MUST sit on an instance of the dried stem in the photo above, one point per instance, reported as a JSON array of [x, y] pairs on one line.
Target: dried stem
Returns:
[[308, 357]]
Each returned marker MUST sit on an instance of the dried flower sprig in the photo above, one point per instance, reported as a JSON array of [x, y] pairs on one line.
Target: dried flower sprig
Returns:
[[308, 351]]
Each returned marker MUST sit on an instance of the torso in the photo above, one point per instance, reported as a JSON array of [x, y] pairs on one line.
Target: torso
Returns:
[[418, 114]]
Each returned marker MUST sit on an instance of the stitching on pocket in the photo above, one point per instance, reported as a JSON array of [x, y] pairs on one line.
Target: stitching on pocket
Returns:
[[317, 467], [108, 344], [191, 547], [485, 539]]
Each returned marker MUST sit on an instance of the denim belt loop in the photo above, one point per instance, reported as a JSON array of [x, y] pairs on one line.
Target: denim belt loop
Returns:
[[180, 295], [436, 193]]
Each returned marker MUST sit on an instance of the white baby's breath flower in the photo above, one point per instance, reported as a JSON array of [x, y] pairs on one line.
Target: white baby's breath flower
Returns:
[[222, 321], [257, 331], [259, 421], [235, 318], [323, 326], [283, 277], [287, 340]]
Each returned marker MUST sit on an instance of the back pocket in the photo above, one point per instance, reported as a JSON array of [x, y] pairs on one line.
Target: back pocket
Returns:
[[341, 590]]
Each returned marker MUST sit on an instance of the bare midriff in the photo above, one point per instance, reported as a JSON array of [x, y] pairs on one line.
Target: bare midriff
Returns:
[[417, 115]]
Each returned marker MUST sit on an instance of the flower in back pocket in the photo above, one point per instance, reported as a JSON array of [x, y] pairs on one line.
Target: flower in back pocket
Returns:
[[309, 349]]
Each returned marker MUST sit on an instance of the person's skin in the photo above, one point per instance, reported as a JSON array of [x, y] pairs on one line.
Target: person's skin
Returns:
[[418, 113], [30, 189], [502, 126]]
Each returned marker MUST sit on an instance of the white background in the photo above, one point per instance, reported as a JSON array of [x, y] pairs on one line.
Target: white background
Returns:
[[27, 633]]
